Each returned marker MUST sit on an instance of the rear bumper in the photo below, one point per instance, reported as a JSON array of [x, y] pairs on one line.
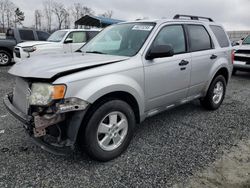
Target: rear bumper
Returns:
[[28, 123]]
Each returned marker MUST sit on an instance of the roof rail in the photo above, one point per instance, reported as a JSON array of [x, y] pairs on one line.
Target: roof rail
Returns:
[[178, 16]]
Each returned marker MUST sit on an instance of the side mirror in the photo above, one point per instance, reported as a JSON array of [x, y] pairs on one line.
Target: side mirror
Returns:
[[67, 41], [235, 43], [160, 51]]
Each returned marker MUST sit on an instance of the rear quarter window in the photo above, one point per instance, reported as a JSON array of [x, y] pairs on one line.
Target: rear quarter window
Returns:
[[220, 35], [199, 39], [26, 35], [92, 34], [42, 35]]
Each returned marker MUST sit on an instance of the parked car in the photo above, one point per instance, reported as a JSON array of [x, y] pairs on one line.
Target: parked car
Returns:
[[15, 36], [242, 56], [62, 41], [2, 36], [96, 97]]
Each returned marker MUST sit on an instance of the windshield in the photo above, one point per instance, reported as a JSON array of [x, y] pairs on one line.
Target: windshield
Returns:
[[247, 40], [57, 36], [123, 39]]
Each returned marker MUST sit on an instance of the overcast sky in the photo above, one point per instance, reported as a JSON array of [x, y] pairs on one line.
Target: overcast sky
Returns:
[[233, 14]]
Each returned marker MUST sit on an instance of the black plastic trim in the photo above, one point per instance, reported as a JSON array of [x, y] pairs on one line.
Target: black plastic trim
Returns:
[[26, 119]]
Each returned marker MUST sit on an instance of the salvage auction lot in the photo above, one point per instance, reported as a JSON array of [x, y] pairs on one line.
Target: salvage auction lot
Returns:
[[166, 150]]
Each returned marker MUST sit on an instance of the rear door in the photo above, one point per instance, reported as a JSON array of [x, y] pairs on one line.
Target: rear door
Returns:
[[166, 80], [203, 57], [26, 35]]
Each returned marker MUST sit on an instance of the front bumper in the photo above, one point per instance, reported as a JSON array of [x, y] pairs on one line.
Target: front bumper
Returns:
[[241, 66], [28, 122], [19, 54]]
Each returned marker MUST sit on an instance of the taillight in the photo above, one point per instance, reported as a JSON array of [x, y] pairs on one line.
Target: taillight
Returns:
[[232, 56]]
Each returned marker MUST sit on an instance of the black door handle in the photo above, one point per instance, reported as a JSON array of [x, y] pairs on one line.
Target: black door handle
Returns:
[[213, 56], [183, 63]]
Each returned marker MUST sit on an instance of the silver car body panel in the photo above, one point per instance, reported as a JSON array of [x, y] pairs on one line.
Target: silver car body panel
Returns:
[[155, 84]]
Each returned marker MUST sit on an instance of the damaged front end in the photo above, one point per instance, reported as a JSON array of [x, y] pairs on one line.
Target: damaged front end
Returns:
[[52, 121]]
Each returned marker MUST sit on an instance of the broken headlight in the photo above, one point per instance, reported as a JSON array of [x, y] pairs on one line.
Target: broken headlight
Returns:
[[42, 94]]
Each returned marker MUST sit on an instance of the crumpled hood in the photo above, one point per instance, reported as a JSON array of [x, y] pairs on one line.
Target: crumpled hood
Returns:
[[34, 43], [48, 66]]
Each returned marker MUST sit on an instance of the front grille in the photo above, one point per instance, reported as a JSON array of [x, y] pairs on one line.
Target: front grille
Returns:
[[241, 58], [21, 95], [17, 52], [243, 51]]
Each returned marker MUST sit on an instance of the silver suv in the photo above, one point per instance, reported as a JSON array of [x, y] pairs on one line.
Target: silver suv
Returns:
[[128, 72]]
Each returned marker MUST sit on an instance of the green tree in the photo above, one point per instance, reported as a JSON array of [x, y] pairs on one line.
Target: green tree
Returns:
[[19, 17]]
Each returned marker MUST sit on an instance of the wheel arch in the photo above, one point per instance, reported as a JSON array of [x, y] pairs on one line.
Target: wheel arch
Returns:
[[7, 50], [117, 95], [224, 71]]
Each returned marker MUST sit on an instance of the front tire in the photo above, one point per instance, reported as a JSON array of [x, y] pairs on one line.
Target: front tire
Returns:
[[215, 94], [5, 58], [109, 130]]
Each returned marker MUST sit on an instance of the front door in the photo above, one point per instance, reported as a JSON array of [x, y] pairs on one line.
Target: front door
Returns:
[[78, 39], [167, 79]]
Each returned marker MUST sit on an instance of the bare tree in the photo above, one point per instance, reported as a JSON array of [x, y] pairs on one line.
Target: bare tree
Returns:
[[48, 13], [78, 11], [10, 13], [7, 9], [38, 19], [3, 11], [107, 14], [60, 12], [67, 19]]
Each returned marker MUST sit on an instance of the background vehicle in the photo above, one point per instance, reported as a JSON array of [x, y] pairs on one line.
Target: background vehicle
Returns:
[[242, 56], [62, 41], [15, 36], [97, 97]]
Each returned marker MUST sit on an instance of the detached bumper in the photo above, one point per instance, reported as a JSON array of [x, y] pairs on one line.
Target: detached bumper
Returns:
[[28, 124]]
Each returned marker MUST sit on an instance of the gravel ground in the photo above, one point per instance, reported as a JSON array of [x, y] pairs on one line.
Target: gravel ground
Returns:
[[167, 149]]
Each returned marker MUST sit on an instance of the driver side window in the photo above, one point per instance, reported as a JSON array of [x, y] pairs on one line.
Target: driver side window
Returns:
[[173, 36], [77, 37]]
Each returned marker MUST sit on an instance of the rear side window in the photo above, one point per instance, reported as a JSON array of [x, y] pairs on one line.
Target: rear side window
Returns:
[[174, 36], [42, 35], [92, 34], [26, 35], [199, 38], [220, 36]]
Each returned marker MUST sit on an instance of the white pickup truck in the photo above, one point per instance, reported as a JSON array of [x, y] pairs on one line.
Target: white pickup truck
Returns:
[[62, 41]]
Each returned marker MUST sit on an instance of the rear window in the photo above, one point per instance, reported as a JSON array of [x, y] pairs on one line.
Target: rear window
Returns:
[[199, 38], [42, 35], [26, 35], [220, 36]]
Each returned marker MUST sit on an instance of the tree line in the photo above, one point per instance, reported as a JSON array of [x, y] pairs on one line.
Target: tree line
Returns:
[[10, 15], [52, 16]]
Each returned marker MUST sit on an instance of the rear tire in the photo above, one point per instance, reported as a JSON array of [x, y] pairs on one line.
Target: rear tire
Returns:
[[5, 58], [215, 94], [109, 130]]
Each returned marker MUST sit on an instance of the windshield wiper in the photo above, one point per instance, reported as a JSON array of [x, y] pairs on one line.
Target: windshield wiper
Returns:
[[95, 52]]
